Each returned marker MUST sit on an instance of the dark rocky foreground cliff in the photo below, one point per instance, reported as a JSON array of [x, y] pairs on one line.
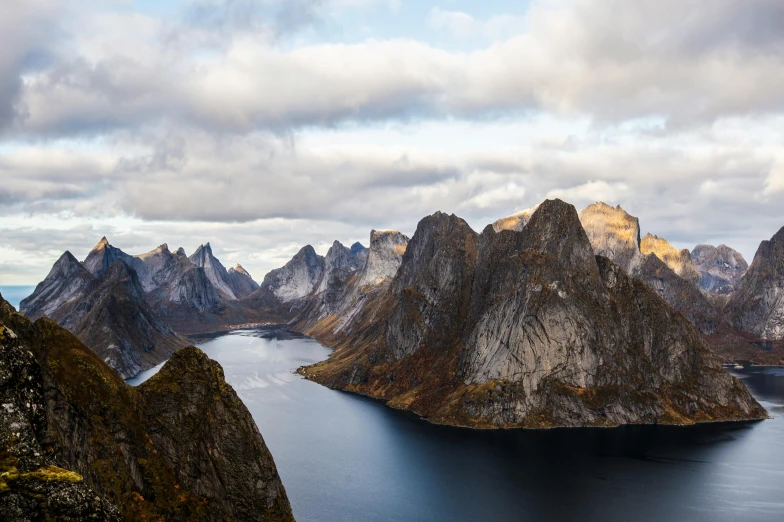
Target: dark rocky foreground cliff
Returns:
[[524, 328], [77, 443]]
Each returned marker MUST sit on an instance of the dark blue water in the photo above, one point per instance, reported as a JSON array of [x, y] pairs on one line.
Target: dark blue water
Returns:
[[345, 458], [15, 294]]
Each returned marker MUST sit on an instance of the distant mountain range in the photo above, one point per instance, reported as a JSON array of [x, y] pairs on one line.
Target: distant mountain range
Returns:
[[532, 313]]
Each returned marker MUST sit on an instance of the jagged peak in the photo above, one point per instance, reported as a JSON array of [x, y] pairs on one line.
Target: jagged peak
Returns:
[[181, 252], [239, 269], [163, 248], [103, 243], [516, 221], [66, 258]]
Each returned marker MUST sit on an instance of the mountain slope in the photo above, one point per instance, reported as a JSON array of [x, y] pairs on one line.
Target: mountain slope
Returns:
[[528, 329], [757, 306], [679, 261], [112, 450], [615, 234], [720, 268], [107, 311], [297, 278]]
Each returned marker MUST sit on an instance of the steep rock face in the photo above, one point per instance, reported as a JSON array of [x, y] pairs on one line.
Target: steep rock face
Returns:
[[351, 296], [360, 252], [103, 255], [432, 285], [757, 306], [32, 484], [679, 261], [516, 222], [241, 282], [339, 263], [529, 329], [384, 257], [297, 278], [216, 272], [225, 459], [67, 281], [110, 450], [615, 234], [720, 268], [109, 313]]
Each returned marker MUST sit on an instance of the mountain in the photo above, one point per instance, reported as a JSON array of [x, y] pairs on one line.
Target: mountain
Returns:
[[231, 287], [350, 297], [297, 278], [339, 263], [679, 261], [757, 306], [107, 311], [80, 444], [384, 257], [516, 222], [529, 328], [241, 282], [615, 234], [360, 252], [720, 268]]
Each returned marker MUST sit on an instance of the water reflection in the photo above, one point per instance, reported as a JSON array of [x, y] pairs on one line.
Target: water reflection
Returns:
[[345, 457]]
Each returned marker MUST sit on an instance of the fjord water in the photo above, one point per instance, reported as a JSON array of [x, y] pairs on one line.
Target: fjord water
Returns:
[[344, 457]]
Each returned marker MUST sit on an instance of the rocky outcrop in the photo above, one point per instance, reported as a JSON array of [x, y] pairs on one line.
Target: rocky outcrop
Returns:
[[241, 282], [384, 257], [339, 263], [103, 255], [528, 329], [66, 282], [720, 268], [615, 234], [679, 261], [107, 311], [360, 252], [225, 458], [757, 306], [215, 271], [516, 222], [80, 444], [297, 278]]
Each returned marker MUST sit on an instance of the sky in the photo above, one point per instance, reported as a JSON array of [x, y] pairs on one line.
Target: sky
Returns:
[[261, 126]]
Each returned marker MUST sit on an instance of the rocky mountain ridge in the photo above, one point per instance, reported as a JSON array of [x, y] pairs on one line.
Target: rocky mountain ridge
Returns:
[[129, 316], [720, 268], [499, 329], [77, 443]]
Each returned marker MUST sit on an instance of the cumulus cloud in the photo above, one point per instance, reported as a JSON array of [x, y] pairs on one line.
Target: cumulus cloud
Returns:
[[685, 62], [226, 125]]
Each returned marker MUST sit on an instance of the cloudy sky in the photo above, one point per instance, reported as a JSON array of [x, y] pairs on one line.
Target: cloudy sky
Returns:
[[264, 125]]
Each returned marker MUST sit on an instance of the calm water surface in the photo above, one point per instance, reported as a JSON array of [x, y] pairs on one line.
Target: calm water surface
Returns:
[[347, 458]]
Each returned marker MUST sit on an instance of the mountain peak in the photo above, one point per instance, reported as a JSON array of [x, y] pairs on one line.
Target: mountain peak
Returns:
[[180, 252], [103, 243]]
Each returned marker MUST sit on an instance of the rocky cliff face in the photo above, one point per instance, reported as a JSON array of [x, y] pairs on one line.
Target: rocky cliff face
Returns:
[[529, 329], [720, 268], [216, 272], [384, 257], [516, 222], [679, 261], [241, 282], [80, 444], [757, 306], [360, 252], [297, 278], [615, 234], [107, 311]]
